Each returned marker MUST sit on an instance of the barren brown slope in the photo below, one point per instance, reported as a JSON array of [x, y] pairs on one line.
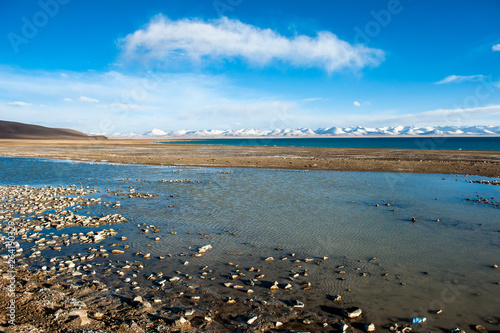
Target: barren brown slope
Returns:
[[13, 130]]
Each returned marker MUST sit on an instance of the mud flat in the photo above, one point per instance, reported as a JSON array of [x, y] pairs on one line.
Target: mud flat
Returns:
[[482, 163]]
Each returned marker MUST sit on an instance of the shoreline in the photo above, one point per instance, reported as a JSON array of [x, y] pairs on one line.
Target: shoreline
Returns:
[[263, 288], [149, 152]]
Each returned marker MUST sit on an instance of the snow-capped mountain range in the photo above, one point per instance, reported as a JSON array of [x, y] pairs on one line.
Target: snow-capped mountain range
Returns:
[[320, 132]]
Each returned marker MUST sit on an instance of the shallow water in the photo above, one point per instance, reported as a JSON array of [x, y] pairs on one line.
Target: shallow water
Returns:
[[429, 265]]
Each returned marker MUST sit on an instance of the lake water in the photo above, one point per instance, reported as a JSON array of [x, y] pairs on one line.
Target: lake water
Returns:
[[422, 266], [442, 143]]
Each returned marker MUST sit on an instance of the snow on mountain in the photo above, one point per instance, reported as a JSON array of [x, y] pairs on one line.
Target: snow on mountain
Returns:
[[156, 132], [320, 132]]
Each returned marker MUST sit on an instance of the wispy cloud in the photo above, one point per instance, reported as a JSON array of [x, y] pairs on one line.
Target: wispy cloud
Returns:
[[189, 101], [88, 99], [496, 47], [439, 117], [67, 99], [18, 104], [460, 78], [170, 41], [314, 99], [139, 103], [356, 103]]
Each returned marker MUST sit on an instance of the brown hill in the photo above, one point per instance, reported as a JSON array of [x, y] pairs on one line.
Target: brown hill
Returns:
[[13, 130]]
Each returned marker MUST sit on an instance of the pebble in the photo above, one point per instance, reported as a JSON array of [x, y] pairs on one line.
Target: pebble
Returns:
[[298, 304], [252, 320], [182, 323], [82, 314], [457, 330], [352, 312], [370, 327]]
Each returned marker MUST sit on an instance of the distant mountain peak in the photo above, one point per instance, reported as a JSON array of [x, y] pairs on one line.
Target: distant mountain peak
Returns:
[[323, 132]]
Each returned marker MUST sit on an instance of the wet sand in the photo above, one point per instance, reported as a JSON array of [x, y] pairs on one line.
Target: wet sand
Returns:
[[482, 163]]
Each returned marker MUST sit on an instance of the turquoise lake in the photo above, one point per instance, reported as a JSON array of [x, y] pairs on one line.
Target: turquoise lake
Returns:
[[442, 143]]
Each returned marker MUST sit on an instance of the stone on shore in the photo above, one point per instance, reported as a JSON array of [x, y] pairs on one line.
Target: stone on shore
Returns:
[[352, 312], [82, 314]]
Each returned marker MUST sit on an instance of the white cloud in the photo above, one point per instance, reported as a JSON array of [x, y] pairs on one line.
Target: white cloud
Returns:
[[67, 100], [18, 104], [460, 78], [170, 41], [457, 115], [356, 103], [488, 115], [188, 101], [138, 103], [314, 99], [88, 99], [496, 47]]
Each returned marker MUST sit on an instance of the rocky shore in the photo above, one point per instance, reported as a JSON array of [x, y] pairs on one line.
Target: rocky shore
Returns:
[[96, 291], [100, 290]]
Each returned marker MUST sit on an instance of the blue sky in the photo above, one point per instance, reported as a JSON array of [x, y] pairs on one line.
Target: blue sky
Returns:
[[121, 66]]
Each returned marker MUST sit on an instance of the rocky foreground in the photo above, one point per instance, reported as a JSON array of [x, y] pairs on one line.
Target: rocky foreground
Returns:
[[91, 293], [55, 277]]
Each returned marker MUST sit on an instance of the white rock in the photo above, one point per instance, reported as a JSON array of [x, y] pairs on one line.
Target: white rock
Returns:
[[370, 327], [353, 312], [204, 249]]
